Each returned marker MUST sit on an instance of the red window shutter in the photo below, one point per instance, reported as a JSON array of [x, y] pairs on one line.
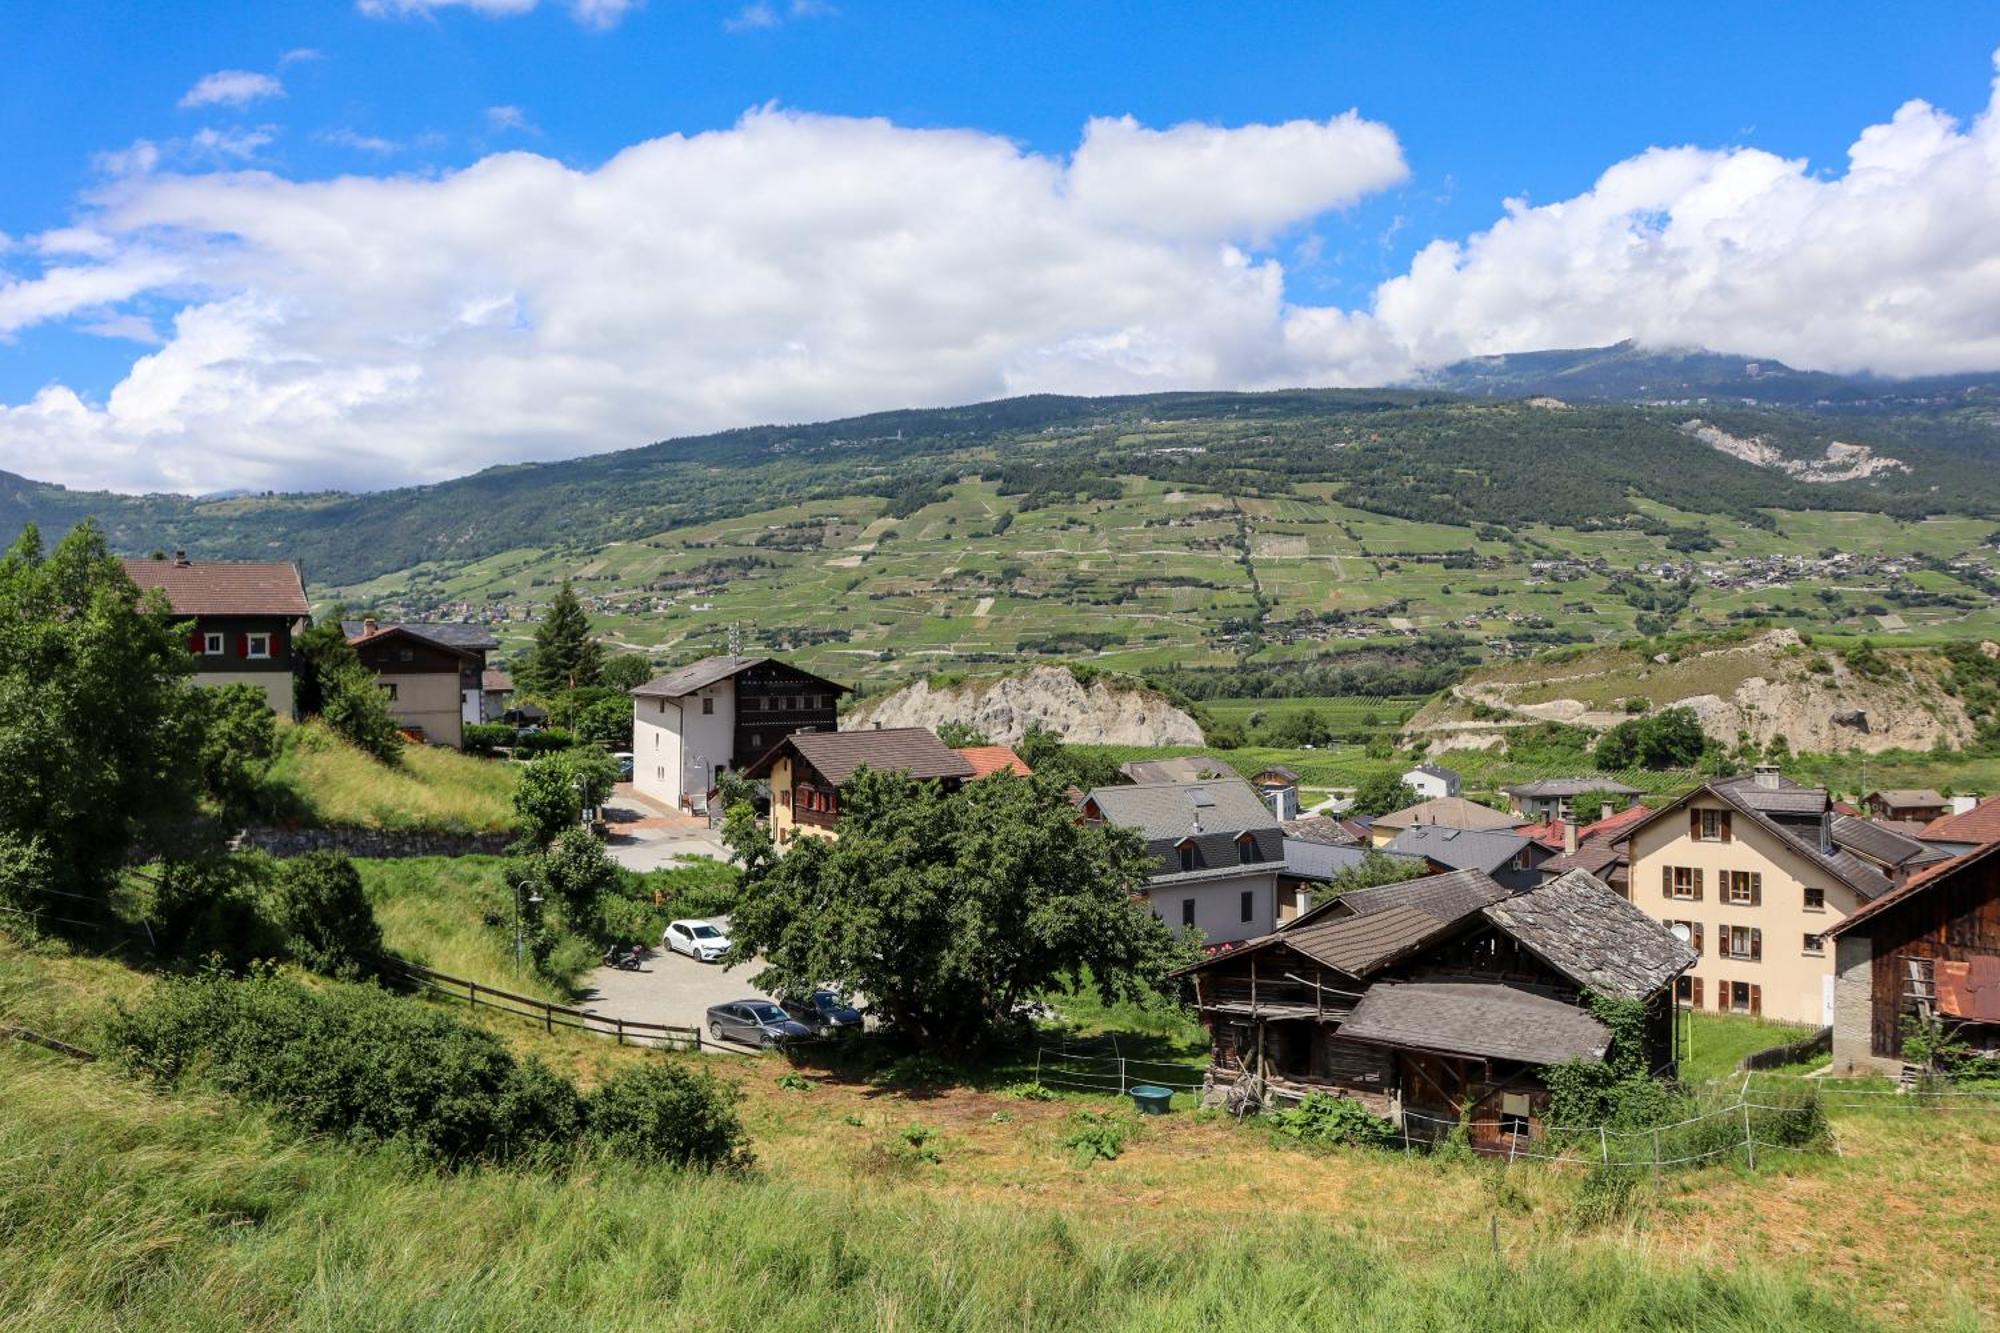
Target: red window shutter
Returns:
[[1756, 999], [1722, 996], [1756, 945], [243, 645], [1694, 823], [1724, 829], [195, 644], [1666, 881]]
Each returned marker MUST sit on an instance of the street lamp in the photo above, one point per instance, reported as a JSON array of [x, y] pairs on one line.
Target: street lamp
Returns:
[[534, 900]]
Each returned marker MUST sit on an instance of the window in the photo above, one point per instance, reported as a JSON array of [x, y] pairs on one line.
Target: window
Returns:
[[1187, 856], [1693, 929], [1740, 997], [1742, 942], [1683, 882], [1742, 888], [1815, 945], [785, 799], [707, 705], [257, 645], [1708, 825], [1687, 990], [660, 774], [407, 655], [1514, 1115], [389, 691], [1815, 900], [211, 645], [752, 703], [1249, 904], [1187, 911], [663, 706], [1246, 851], [1521, 859], [756, 740]]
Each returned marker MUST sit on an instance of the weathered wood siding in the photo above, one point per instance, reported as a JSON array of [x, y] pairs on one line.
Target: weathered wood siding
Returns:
[[1957, 919]]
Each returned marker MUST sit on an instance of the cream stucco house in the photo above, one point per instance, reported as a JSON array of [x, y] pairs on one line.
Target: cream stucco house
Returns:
[[1756, 870], [717, 715]]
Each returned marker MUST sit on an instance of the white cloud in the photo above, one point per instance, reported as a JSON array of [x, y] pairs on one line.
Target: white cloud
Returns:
[[343, 137], [221, 145], [231, 87], [366, 331], [502, 118], [131, 328], [590, 13], [763, 15], [300, 54]]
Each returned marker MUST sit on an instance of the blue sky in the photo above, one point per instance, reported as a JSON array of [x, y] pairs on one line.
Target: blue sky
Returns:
[[1476, 104]]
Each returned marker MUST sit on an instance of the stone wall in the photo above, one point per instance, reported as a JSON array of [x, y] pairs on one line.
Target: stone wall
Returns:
[[372, 843], [1854, 1009]]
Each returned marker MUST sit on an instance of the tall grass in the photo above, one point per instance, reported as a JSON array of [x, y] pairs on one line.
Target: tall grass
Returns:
[[321, 779], [454, 914], [123, 1209]]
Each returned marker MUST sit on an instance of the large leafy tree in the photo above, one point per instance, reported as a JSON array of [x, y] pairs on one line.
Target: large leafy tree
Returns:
[[332, 685], [556, 788], [948, 910], [564, 656], [101, 736], [1381, 793]]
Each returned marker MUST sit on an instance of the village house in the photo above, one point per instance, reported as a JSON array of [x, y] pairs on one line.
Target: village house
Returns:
[[1317, 848], [1446, 812], [1437, 1000], [1755, 871], [1432, 781], [1593, 847], [472, 643], [496, 694], [1176, 768], [718, 715], [1508, 855], [1217, 850], [1917, 804], [422, 679], [1279, 786], [807, 769], [1552, 800], [1963, 830], [244, 614], [1928, 951]]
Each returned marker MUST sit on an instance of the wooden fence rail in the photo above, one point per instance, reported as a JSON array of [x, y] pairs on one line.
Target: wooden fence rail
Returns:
[[12, 1033], [550, 1015]]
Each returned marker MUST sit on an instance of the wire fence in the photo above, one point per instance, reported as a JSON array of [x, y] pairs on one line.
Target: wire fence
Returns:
[[1088, 1069]]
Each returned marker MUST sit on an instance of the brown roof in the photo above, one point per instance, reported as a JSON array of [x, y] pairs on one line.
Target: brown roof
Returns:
[[225, 587], [1908, 796], [1980, 824], [987, 759], [1357, 945], [496, 681], [1450, 812], [1910, 887], [699, 675], [835, 755], [409, 632]]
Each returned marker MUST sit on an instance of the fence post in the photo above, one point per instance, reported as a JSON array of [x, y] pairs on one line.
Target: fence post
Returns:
[[1121, 1074], [1749, 1139], [1656, 1152], [471, 993], [1603, 1146], [1038, 1066], [620, 1023]]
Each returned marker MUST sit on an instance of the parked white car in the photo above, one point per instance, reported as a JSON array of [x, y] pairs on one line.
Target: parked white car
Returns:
[[701, 940]]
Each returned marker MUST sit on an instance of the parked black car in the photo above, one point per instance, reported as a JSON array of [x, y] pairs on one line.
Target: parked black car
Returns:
[[754, 1023], [823, 1012]]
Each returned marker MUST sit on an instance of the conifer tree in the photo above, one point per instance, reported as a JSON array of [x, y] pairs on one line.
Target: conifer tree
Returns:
[[565, 656]]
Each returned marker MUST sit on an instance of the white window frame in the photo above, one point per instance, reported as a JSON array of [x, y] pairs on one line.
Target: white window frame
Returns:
[[250, 642], [212, 643], [1711, 826]]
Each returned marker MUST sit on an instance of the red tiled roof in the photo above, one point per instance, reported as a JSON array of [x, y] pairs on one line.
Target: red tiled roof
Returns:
[[225, 587], [987, 759], [1979, 824], [1551, 833]]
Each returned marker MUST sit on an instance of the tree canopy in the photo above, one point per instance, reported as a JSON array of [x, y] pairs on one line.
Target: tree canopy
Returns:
[[564, 656], [947, 911], [1380, 793]]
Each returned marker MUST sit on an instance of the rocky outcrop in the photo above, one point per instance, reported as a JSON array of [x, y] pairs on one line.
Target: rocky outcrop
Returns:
[[1003, 707], [1841, 462]]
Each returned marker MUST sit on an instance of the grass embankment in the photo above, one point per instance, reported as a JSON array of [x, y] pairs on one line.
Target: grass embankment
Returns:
[[118, 1205], [319, 779]]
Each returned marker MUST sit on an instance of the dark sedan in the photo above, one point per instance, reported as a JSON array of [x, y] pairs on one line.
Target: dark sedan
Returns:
[[824, 1012], [754, 1023]]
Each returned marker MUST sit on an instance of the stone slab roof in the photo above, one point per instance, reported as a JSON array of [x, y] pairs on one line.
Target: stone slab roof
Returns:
[[1486, 1019], [1582, 928]]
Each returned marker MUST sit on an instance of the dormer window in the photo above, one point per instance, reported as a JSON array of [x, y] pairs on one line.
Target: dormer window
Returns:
[[1246, 849], [1187, 854]]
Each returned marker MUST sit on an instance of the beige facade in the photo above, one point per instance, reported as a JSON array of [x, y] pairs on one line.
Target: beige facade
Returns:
[[428, 701], [276, 685], [1758, 910], [786, 822]]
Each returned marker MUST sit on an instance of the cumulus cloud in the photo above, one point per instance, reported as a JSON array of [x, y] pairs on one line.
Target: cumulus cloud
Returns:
[[502, 118], [762, 15], [368, 331], [231, 87]]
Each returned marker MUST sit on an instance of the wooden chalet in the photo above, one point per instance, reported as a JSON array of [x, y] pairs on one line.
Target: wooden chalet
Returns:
[[1437, 999]]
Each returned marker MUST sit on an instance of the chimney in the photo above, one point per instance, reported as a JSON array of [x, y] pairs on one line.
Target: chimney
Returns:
[[1767, 776], [368, 625], [1569, 837], [1606, 810], [1964, 803], [181, 560]]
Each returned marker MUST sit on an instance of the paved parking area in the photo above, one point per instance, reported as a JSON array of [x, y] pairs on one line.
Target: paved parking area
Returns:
[[669, 988]]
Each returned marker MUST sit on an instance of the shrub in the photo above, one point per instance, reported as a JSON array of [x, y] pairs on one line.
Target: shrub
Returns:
[[217, 909], [549, 740], [661, 1112], [1326, 1121], [349, 1061], [328, 924], [1094, 1136], [487, 737]]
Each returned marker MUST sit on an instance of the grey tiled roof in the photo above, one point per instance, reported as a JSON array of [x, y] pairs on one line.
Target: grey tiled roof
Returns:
[[1320, 828], [451, 633], [1461, 849], [1442, 897], [1882, 845], [1448, 812], [1486, 1019], [1576, 924], [1560, 787], [838, 754], [1169, 811], [699, 675]]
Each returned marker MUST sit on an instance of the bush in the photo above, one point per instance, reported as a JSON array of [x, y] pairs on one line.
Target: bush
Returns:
[[549, 740], [1326, 1121], [328, 924], [1095, 1136], [349, 1061], [660, 1112], [217, 910], [486, 738], [352, 704]]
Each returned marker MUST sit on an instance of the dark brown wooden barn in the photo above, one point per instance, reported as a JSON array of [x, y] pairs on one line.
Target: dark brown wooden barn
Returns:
[[1436, 999]]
